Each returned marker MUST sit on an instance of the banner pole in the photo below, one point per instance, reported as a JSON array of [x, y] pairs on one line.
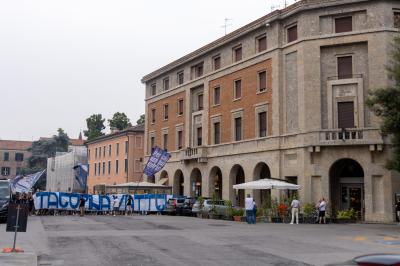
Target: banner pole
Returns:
[[16, 228]]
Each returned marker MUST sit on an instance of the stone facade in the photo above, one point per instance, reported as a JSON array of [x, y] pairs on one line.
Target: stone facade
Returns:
[[306, 91], [115, 158]]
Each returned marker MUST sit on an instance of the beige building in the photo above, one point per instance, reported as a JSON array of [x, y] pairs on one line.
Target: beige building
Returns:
[[282, 97], [115, 158], [14, 155]]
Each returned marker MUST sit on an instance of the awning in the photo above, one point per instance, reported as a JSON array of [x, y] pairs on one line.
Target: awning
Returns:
[[267, 184], [162, 181]]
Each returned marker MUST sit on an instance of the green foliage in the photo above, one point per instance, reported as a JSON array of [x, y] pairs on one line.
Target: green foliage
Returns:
[[201, 203], [238, 212], [348, 214], [213, 203], [95, 125], [141, 120], [119, 121], [229, 211], [309, 209], [385, 103], [61, 141]]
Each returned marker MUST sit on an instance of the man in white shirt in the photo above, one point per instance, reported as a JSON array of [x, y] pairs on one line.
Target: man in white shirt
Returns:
[[116, 205], [249, 205], [322, 209], [295, 210]]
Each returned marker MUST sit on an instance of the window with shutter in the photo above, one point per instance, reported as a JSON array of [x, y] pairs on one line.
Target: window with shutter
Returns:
[[199, 136], [217, 62], [153, 115], [165, 141], [344, 24], [166, 84], [238, 129], [346, 115], [180, 78], [262, 43], [262, 122], [180, 107], [292, 34], [345, 67], [200, 102], [262, 81], [166, 111], [237, 89], [237, 53], [397, 20], [217, 133], [180, 139], [217, 92]]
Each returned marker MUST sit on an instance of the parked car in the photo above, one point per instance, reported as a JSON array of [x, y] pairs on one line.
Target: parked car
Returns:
[[179, 206], [208, 205], [4, 199]]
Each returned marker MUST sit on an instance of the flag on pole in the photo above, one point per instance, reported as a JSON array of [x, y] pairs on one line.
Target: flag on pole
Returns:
[[157, 161], [24, 184], [81, 173]]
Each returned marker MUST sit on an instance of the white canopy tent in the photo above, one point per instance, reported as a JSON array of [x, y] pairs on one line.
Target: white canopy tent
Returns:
[[267, 184]]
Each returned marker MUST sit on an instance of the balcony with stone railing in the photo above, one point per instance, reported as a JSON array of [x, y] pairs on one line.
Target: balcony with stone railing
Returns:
[[350, 136], [197, 153]]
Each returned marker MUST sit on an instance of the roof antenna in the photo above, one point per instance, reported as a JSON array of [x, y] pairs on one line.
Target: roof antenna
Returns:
[[226, 25]]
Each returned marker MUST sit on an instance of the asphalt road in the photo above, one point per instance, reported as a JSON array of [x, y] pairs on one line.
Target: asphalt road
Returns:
[[164, 240]]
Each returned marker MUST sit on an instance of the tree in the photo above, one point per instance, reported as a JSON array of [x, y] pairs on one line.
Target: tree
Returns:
[[385, 103], [119, 121], [140, 121], [95, 125]]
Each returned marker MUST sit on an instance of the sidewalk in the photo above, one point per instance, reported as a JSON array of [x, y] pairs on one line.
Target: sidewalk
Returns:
[[24, 241]]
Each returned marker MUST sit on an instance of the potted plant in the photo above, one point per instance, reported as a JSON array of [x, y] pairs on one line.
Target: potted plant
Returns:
[[201, 206], [213, 211], [347, 216], [229, 210], [308, 211], [238, 214]]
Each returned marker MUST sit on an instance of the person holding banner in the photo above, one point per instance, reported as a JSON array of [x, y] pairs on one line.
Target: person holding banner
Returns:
[[128, 205], [82, 202]]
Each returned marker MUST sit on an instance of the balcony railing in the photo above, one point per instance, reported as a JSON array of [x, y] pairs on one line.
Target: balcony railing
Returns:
[[350, 76], [351, 135], [199, 153]]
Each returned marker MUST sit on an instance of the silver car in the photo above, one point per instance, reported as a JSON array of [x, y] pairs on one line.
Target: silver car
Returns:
[[220, 207]]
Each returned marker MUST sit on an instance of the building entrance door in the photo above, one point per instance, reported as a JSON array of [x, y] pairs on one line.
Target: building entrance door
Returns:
[[352, 197]]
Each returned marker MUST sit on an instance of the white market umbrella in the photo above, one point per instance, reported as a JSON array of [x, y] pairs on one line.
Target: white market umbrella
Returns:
[[267, 184]]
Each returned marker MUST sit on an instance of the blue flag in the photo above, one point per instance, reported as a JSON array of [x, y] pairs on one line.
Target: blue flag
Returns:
[[157, 161], [81, 173], [24, 184]]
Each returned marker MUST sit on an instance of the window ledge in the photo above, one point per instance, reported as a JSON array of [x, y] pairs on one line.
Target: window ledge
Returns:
[[237, 99], [216, 105]]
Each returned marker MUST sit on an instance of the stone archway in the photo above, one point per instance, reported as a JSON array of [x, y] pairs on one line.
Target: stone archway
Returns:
[[237, 176], [195, 183], [164, 178], [215, 182], [346, 178], [178, 188], [262, 197]]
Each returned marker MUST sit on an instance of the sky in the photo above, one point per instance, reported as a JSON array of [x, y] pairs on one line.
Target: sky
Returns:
[[64, 60]]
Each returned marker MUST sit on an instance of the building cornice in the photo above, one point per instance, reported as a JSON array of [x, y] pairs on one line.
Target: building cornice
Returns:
[[269, 18]]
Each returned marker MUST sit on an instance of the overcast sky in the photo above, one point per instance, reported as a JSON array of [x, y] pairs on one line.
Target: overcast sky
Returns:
[[61, 61]]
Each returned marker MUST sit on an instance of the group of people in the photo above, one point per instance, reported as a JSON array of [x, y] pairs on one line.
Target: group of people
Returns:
[[24, 198], [115, 206], [251, 210]]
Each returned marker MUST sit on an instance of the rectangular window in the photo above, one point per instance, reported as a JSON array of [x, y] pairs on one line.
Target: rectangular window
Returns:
[[262, 81], [89, 154], [6, 156], [165, 141], [237, 89], [99, 152], [217, 94], [345, 115], [217, 133], [88, 169], [262, 124], [262, 43], [237, 53], [345, 67], [166, 84], [152, 143], [95, 155], [109, 150], [165, 111], [344, 24], [104, 168], [180, 107], [126, 147], [238, 129], [117, 148], [197, 70], [180, 139], [397, 20], [5, 171], [153, 116], [116, 166], [104, 151], [138, 142], [19, 157], [153, 89], [126, 165], [200, 102], [109, 167], [199, 136], [95, 169], [180, 78], [98, 169], [292, 33], [217, 62]]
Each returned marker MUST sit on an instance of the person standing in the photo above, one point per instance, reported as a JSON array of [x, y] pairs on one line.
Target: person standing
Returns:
[[82, 202], [295, 210], [115, 205], [398, 210], [322, 209], [249, 206], [128, 205]]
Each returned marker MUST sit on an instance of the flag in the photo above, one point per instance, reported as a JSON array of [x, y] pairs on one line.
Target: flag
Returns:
[[24, 184], [157, 161], [81, 173]]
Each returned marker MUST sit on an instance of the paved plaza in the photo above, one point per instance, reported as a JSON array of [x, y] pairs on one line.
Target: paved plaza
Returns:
[[166, 240]]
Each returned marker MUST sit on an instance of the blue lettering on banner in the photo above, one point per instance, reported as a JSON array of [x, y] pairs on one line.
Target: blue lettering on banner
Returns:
[[70, 201]]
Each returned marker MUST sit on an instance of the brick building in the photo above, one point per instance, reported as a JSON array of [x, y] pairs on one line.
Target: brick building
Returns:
[[115, 158], [282, 97], [14, 156]]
